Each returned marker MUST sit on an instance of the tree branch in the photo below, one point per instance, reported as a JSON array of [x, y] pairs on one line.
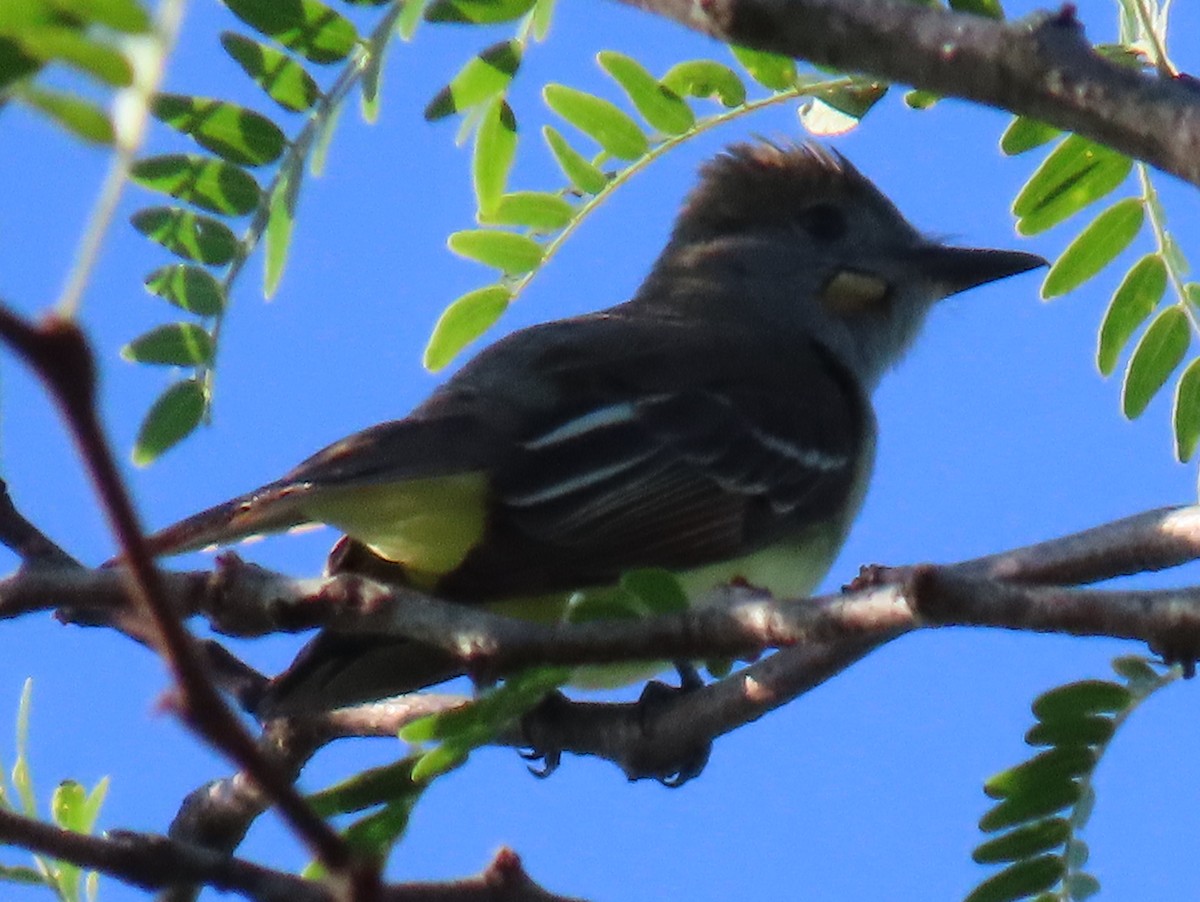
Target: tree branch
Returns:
[[153, 862], [665, 736], [1042, 67], [58, 352]]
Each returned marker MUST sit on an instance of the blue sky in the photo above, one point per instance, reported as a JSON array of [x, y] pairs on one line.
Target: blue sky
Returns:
[[996, 431]]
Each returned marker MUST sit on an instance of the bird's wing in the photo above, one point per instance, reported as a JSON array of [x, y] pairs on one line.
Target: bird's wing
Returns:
[[693, 468], [573, 452]]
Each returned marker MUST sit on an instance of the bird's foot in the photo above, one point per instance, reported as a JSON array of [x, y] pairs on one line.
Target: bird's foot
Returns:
[[655, 702]]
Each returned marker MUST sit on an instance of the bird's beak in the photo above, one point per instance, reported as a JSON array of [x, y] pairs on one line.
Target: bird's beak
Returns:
[[956, 269]]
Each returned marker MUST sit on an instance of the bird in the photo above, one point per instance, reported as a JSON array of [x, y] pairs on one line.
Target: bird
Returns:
[[718, 425]]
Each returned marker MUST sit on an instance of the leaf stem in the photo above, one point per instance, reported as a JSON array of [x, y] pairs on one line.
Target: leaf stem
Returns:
[[624, 175]]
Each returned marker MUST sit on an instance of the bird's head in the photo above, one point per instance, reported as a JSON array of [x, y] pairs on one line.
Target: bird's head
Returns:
[[796, 237]]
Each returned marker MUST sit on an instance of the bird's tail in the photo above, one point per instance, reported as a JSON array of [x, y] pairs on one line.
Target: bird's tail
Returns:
[[273, 508], [335, 671]]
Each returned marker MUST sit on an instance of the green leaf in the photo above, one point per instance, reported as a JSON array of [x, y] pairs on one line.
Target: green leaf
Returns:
[[232, 132], [18, 874], [1019, 881], [1083, 809], [325, 132], [660, 106], [514, 254], [1077, 173], [838, 110], [853, 100], [78, 116], [190, 288], [495, 149], [481, 78], [22, 778], [277, 236], [1124, 55], [187, 234], [375, 834], [768, 69], [372, 78], [477, 12], [312, 29], [1081, 886], [1020, 809], [171, 419], [1053, 767], [364, 790], [578, 169], [409, 18], [438, 761], [608, 126], [15, 64], [479, 720], [543, 13], [921, 100], [67, 805], [80, 52], [537, 210], [706, 78], [175, 344], [1081, 698], [611, 603], [1138, 295], [1082, 730], [989, 8], [283, 79], [1187, 412], [1137, 671], [463, 321], [91, 807], [659, 590], [1156, 356], [211, 184], [822, 120], [1077, 853], [1024, 842], [119, 15], [1025, 134], [1095, 247]]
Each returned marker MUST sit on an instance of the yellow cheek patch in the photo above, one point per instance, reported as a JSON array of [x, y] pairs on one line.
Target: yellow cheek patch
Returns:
[[852, 292], [428, 525]]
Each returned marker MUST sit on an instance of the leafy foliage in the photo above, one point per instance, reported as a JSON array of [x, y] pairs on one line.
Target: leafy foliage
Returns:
[[219, 182], [1042, 804], [72, 807], [520, 230], [1079, 173], [523, 229], [83, 36]]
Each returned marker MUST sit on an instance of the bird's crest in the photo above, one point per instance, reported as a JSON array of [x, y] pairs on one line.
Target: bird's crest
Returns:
[[755, 184]]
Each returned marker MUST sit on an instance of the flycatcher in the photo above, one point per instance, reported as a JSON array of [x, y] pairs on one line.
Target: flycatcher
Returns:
[[717, 425]]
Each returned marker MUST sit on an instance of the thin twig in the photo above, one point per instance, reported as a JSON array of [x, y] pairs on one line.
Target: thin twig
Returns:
[[58, 352]]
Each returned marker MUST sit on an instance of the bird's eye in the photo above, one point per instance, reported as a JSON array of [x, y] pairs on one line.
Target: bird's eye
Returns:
[[824, 222]]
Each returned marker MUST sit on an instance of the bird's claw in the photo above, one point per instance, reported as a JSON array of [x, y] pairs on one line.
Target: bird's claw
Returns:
[[656, 695]]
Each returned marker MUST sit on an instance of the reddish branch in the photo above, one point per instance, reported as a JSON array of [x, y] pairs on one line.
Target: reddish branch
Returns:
[[153, 862], [58, 352]]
